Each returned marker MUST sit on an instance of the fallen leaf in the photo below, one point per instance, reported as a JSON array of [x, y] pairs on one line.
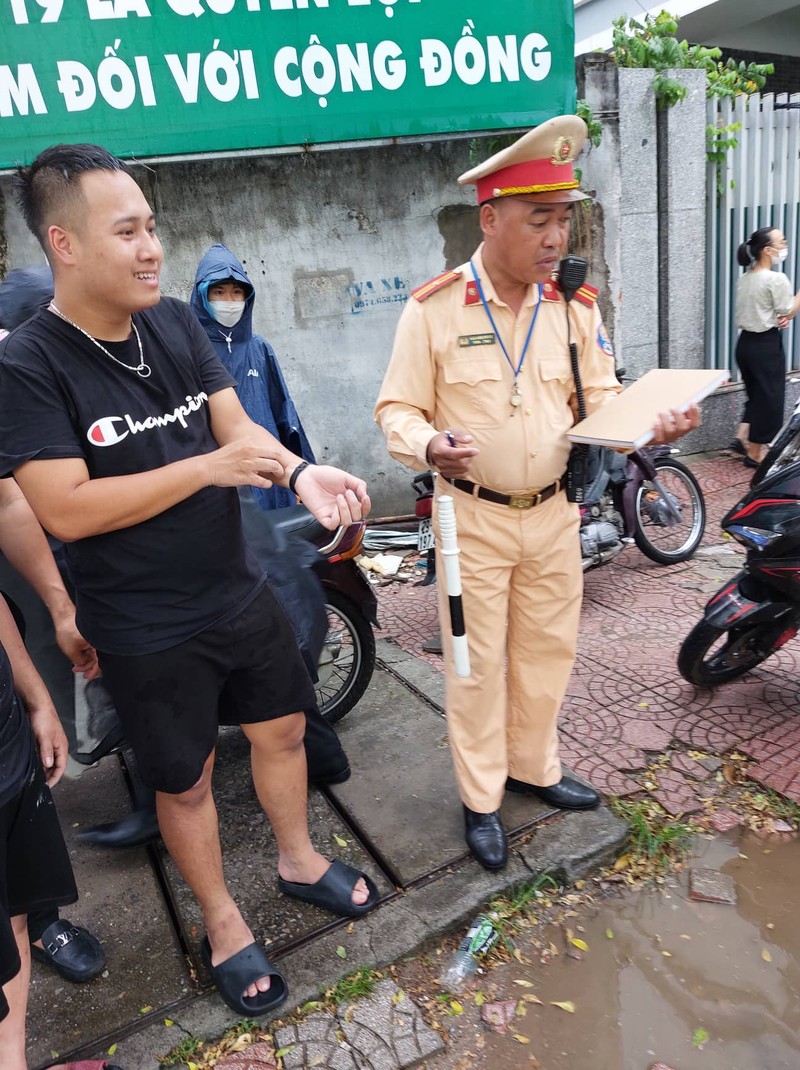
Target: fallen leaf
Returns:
[[350, 927], [520, 1039], [398, 996], [580, 944], [532, 999], [667, 954], [565, 1005], [456, 1007], [480, 999], [522, 1010], [168, 1022], [622, 862], [112, 1049], [766, 955], [279, 1054], [341, 952], [342, 842], [524, 984], [145, 1010], [699, 1038], [609, 934], [685, 936]]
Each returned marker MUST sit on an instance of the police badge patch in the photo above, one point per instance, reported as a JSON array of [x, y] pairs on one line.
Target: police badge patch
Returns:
[[604, 341]]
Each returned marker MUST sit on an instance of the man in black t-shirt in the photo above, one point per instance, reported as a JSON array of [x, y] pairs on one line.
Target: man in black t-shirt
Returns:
[[126, 436]]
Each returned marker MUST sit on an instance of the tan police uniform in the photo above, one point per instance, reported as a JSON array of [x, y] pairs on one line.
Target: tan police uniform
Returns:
[[520, 562]]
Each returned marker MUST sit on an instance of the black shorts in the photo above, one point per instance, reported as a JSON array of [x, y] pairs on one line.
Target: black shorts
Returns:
[[35, 870], [171, 703]]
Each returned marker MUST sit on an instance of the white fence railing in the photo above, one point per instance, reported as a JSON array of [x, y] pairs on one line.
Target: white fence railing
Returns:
[[760, 187]]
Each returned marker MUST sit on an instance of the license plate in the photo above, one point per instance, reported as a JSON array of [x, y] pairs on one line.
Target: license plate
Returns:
[[427, 539]]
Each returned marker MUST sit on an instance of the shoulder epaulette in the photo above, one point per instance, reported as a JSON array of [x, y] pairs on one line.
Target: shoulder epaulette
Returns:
[[432, 285], [586, 294]]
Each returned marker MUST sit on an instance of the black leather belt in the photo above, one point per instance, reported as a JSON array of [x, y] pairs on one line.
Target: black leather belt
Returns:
[[514, 501]]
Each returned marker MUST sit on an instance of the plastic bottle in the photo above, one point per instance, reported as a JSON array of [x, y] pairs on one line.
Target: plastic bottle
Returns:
[[476, 945]]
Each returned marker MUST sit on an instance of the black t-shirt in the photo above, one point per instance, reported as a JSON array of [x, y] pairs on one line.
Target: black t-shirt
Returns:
[[155, 584], [16, 737]]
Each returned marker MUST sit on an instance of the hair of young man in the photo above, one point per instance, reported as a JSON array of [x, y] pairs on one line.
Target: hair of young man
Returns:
[[49, 191]]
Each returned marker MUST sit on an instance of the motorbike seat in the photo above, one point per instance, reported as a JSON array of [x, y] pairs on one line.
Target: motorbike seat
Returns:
[[295, 520]]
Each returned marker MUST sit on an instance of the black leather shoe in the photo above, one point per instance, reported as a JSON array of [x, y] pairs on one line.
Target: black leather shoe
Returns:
[[486, 838], [135, 830], [567, 794], [73, 951]]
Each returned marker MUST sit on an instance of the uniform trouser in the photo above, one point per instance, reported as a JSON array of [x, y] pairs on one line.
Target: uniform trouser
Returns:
[[522, 586]]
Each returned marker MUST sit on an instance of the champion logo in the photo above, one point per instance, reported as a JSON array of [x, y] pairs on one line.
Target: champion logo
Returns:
[[105, 432]]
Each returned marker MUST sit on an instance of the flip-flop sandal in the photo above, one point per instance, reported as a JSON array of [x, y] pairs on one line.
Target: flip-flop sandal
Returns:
[[334, 891], [241, 970]]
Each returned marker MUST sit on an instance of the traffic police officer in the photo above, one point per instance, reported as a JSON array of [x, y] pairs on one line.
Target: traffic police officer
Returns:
[[480, 388]]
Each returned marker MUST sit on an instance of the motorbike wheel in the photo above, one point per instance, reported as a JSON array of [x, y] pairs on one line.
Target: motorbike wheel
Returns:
[[348, 658], [655, 536], [711, 656]]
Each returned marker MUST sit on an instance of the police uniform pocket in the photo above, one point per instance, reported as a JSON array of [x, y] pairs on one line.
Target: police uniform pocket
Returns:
[[474, 387], [552, 368]]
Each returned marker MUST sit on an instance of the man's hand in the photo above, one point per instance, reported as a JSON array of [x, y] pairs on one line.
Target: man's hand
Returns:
[[242, 464], [450, 453], [333, 496], [671, 425], [72, 644], [51, 741]]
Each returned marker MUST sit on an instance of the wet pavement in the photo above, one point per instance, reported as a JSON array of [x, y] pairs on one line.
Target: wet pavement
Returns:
[[399, 816], [626, 701], [666, 981]]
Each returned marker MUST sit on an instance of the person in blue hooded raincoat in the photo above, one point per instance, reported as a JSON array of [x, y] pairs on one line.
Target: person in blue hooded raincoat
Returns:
[[223, 299]]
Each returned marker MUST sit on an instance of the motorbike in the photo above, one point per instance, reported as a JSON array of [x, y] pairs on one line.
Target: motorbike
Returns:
[[648, 498], [758, 611], [347, 661]]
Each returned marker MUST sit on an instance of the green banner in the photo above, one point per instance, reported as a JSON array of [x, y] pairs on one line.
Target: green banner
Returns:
[[168, 77]]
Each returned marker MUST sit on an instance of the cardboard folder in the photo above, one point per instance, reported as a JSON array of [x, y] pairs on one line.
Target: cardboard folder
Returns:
[[626, 422]]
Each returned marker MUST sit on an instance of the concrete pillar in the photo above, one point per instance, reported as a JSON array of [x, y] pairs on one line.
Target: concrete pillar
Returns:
[[682, 218], [638, 223]]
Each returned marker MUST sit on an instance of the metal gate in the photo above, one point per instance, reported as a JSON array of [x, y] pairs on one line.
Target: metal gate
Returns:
[[759, 187]]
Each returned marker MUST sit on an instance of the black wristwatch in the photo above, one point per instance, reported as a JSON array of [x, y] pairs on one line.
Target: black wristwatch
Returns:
[[293, 477]]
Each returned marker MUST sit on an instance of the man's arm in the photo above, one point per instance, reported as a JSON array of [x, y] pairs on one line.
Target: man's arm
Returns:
[[23, 542], [332, 495], [50, 737], [71, 505]]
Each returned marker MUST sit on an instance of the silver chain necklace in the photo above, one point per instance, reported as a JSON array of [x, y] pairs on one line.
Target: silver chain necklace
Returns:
[[141, 369]]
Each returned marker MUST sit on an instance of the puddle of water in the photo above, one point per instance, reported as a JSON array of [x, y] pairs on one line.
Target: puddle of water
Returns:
[[674, 966]]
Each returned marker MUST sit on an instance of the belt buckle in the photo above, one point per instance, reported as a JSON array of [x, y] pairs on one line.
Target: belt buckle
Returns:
[[522, 501]]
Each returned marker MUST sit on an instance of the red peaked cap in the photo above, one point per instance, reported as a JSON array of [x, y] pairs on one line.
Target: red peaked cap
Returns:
[[539, 162]]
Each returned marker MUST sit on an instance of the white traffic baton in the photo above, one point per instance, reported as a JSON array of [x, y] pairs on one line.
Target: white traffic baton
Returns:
[[448, 547]]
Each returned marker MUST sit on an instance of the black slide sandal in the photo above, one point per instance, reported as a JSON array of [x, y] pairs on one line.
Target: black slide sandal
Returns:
[[240, 971], [334, 891]]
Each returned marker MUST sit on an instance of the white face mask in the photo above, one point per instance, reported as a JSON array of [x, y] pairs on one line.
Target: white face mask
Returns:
[[228, 313], [781, 256]]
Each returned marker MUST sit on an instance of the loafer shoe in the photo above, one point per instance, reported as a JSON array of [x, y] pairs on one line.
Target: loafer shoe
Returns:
[[71, 950], [567, 794], [135, 830], [748, 462], [486, 838]]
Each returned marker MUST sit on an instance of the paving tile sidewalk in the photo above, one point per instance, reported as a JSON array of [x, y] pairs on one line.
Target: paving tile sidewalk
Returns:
[[626, 702]]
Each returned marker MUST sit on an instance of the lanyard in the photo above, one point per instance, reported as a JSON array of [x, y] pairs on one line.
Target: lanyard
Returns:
[[516, 396]]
